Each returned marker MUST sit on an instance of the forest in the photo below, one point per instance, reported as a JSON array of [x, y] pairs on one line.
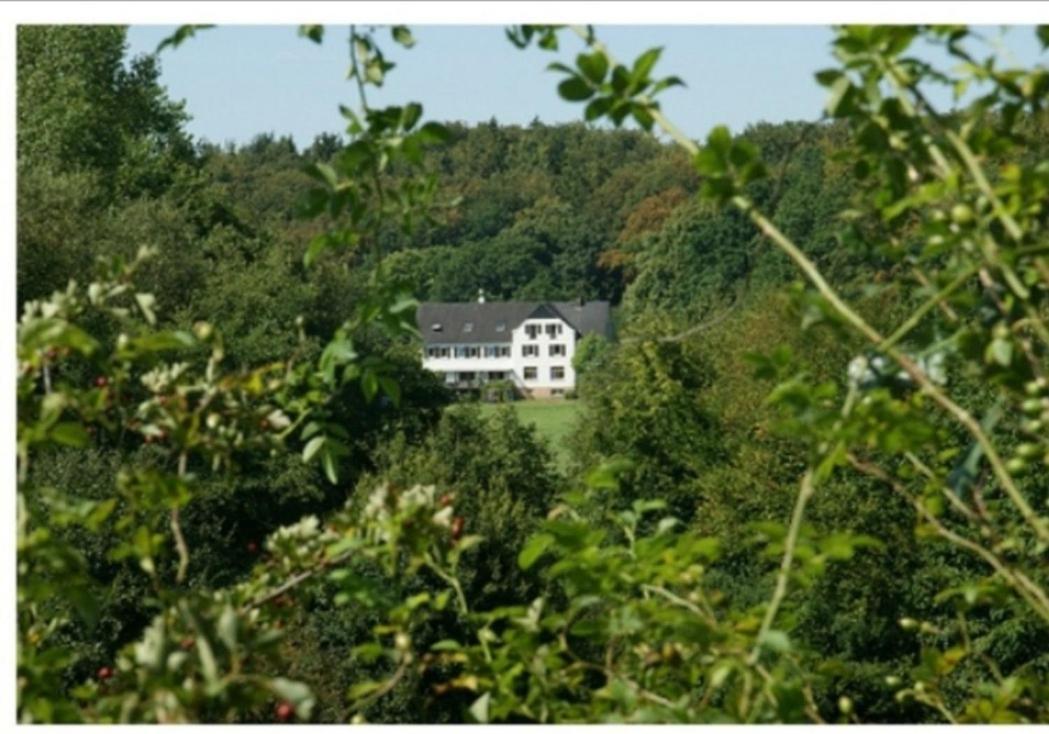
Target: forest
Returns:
[[241, 499]]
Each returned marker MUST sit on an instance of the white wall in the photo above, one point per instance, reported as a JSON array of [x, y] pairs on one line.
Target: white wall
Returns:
[[544, 361], [516, 362], [466, 364]]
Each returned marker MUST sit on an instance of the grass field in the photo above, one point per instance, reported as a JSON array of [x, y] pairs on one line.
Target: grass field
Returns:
[[554, 419]]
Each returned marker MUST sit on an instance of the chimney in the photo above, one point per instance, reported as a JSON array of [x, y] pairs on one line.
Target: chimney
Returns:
[[480, 295], [581, 302]]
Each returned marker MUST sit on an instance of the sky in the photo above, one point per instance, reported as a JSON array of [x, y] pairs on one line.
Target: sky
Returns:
[[239, 81]]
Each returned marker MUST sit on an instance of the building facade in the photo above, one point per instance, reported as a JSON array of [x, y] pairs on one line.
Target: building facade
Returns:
[[528, 344]]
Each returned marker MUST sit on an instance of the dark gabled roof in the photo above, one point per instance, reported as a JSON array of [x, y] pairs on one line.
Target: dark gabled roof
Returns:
[[588, 317], [493, 322]]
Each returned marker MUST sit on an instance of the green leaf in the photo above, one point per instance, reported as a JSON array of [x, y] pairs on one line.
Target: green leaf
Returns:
[[480, 708], [1000, 351], [70, 434], [369, 384], [1042, 32], [606, 475], [533, 550], [402, 35], [227, 627], [598, 107], [446, 646], [183, 33], [775, 640], [433, 132], [145, 302], [575, 89], [594, 66], [827, 77], [644, 63], [666, 83], [842, 92], [315, 444], [313, 32], [323, 173], [391, 388], [317, 246], [296, 693], [330, 470], [362, 689]]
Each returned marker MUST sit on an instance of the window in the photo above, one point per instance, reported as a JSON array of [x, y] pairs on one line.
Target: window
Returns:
[[468, 327], [531, 373], [491, 351], [501, 326], [530, 350], [557, 350], [496, 375], [553, 330], [533, 330], [467, 352], [504, 351], [436, 327], [557, 373]]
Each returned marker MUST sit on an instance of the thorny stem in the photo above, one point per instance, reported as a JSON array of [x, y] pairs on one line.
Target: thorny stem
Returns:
[[804, 494], [946, 308], [176, 529], [928, 306], [298, 579], [355, 68], [452, 581], [678, 601], [810, 270], [1027, 589], [908, 365], [972, 164]]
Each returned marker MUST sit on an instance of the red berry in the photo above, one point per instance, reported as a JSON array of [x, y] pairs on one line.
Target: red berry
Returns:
[[285, 711], [105, 673], [253, 547], [457, 527], [187, 643], [101, 381], [445, 500]]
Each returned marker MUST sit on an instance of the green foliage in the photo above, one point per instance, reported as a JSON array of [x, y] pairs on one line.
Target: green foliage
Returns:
[[644, 403], [165, 409]]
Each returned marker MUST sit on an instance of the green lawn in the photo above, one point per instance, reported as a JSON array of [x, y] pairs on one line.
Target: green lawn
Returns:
[[554, 419]]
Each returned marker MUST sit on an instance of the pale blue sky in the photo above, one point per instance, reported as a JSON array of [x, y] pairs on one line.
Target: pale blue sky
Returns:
[[238, 81]]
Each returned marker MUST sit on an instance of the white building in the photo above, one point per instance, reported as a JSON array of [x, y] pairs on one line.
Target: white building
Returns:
[[530, 344]]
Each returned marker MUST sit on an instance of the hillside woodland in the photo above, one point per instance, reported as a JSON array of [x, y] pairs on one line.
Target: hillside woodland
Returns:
[[810, 477]]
